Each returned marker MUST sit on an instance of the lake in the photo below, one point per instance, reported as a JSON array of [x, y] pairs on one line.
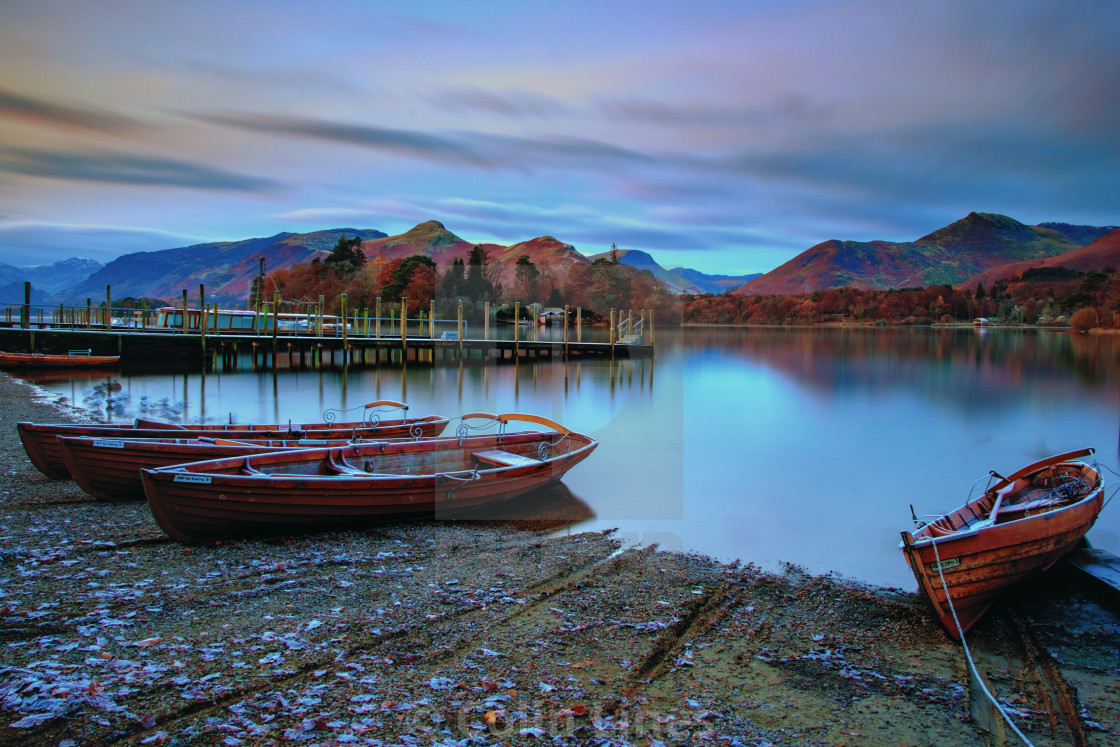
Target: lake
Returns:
[[766, 445]]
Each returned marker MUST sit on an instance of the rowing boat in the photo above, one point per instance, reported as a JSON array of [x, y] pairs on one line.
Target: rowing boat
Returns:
[[40, 440], [320, 488], [73, 359], [1020, 524], [109, 468]]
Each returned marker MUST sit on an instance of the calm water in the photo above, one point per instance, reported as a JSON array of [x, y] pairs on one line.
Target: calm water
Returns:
[[764, 445]]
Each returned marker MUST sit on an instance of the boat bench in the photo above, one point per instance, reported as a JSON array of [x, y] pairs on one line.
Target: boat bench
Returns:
[[499, 458]]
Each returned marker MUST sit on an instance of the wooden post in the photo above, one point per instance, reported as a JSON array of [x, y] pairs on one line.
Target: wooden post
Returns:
[[185, 311], [630, 322], [459, 327], [613, 332], [486, 321], [216, 330], [404, 324], [651, 328], [322, 305], [275, 323], [432, 319], [202, 316], [365, 313], [25, 313], [516, 325], [565, 329], [89, 313], [345, 337], [377, 318], [109, 308], [579, 324]]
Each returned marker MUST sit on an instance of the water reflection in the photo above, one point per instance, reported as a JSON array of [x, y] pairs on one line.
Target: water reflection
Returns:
[[766, 445]]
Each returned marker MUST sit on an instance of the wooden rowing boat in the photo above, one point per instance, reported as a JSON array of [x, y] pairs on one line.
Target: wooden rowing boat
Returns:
[[109, 468], [73, 359], [40, 440], [1020, 524], [314, 489]]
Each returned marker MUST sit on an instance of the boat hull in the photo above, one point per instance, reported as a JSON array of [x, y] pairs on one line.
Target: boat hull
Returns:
[[40, 440], [208, 500], [47, 360], [973, 566], [108, 469]]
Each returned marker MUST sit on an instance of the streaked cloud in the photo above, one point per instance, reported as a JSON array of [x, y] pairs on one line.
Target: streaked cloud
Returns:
[[127, 168], [513, 104], [38, 111], [405, 142]]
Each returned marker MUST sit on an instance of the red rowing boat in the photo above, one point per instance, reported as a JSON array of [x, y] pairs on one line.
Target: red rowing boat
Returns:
[[313, 489], [109, 468], [1022, 523], [40, 440], [73, 359]]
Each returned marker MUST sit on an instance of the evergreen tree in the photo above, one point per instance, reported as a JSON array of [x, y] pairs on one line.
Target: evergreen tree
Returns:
[[526, 273], [478, 288], [454, 280], [346, 258]]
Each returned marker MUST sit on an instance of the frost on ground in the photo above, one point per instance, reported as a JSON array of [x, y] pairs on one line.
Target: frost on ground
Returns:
[[480, 633]]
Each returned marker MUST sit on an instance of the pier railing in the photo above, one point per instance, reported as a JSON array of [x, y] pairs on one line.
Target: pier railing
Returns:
[[268, 320]]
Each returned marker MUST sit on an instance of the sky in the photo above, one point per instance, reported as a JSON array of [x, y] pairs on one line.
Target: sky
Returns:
[[723, 136]]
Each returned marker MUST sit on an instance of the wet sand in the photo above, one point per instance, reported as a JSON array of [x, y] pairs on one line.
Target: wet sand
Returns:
[[475, 632]]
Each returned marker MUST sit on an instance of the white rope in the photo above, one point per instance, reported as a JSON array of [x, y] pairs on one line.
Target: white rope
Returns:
[[968, 654]]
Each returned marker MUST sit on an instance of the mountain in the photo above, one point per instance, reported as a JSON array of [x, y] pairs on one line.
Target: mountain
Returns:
[[1079, 234], [49, 278], [552, 257], [11, 294], [430, 238], [1099, 255], [679, 279], [226, 268], [699, 282], [950, 255]]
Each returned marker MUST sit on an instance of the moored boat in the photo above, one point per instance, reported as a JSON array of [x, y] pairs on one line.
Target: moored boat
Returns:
[[73, 359], [109, 468], [40, 440], [320, 488], [1020, 524]]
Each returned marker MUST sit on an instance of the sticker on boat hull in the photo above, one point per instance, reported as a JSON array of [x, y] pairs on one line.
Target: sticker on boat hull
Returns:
[[944, 564], [198, 479], [108, 444]]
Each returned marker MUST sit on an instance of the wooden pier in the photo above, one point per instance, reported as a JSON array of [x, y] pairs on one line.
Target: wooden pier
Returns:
[[149, 350]]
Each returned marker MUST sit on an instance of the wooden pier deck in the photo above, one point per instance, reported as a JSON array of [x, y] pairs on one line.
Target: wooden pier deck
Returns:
[[152, 349]]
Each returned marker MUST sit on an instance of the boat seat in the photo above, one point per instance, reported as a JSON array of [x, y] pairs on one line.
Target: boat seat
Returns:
[[499, 458], [344, 468]]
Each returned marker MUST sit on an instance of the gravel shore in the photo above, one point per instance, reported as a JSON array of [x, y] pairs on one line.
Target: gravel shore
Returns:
[[480, 633]]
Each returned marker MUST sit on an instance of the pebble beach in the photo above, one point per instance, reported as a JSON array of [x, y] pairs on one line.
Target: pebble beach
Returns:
[[495, 632]]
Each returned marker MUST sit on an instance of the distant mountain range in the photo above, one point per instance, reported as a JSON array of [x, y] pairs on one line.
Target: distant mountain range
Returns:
[[982, 247], [45, 279], [227, 268], [976, 244], [679, 279]]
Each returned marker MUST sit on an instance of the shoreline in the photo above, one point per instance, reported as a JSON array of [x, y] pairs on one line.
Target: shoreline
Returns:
[[489, 632]]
